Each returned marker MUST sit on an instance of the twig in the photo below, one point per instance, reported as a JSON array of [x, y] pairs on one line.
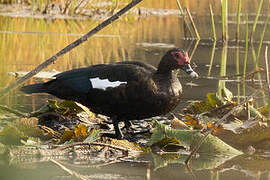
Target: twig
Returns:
[[73, 173], [267, 68], [124, 150], [69, 47], [196, 148]]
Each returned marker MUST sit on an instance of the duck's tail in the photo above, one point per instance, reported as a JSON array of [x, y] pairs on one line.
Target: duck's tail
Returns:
[[35, 88]]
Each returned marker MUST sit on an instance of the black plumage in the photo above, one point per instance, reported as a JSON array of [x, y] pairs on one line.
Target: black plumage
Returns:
[[128, 91]]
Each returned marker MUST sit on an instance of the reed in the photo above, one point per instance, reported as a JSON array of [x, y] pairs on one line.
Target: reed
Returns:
[[180, 7], [267, 67], [246, 49], [238, 20], [261, 41], [224, 17], [256, 21], [194, 49], [186, 24], [213, 22], [193, 24], [237, 53], [223, 67], [212, 58]]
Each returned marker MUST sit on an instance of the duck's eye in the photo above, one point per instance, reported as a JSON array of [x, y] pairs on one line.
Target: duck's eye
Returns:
[[177, 55]]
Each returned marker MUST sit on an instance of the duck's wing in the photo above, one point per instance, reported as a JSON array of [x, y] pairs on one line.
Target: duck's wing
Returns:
[[81, 81]]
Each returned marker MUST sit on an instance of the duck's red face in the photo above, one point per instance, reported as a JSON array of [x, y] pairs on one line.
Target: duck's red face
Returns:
[[183, 62], [181, 57]]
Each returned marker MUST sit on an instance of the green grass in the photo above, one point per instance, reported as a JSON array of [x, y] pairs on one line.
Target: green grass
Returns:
[[238, 19]]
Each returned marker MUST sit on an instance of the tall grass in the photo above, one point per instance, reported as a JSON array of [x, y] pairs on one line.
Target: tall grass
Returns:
[[223, 67], [238, 20], [224, 19], [213, 22], [261, 41], [193, 24], [246, 49], [186, 25], [212, 57], [256, 20], [237, 65]]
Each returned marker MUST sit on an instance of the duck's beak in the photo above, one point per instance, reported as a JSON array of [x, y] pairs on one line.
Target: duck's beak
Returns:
[[187, 68]]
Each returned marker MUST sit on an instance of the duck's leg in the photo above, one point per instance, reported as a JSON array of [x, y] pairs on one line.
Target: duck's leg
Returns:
[[118, 132]]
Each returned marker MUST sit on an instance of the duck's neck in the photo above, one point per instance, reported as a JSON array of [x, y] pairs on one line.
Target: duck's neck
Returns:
[[164, 67]]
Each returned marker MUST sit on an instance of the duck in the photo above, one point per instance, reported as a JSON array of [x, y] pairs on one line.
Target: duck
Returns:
[[123, 91]]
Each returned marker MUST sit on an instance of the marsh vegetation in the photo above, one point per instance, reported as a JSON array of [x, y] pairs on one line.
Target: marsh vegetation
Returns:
[[227, 42]]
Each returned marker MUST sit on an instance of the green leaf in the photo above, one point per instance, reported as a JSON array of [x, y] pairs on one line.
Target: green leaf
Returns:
[[190, 138], [213, 100], [94, 136], [225, 95]]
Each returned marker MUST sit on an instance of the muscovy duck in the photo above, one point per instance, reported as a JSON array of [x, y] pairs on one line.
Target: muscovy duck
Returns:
[[124, 91]]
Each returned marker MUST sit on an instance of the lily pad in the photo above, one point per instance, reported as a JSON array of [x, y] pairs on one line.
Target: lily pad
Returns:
[[251, 132], [190, 138]]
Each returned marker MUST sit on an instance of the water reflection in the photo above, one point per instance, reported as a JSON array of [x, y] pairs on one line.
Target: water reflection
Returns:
[[148, 166], [25, 43]]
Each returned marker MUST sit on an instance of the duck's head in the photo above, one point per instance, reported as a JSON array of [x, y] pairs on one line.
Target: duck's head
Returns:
[[176, 59]]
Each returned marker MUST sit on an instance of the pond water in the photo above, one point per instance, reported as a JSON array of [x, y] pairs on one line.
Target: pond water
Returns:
[[27, 42]]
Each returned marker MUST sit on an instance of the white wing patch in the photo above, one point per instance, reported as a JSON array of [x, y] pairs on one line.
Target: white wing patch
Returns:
[[104, 83]]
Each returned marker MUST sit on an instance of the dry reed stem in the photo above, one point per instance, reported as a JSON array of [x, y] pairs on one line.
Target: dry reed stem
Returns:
[[267, 68], [193, 24]]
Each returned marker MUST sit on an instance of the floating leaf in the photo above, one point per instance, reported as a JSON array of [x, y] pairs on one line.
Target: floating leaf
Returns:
[[80, 132], [178, 124], [198, 107], [67, 135], [94, 136], [213, 100], [189, 138], [190, 121], [167, 140], [251, 132]]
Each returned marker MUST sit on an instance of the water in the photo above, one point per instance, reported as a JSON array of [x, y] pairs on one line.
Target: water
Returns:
[[27, 42]]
